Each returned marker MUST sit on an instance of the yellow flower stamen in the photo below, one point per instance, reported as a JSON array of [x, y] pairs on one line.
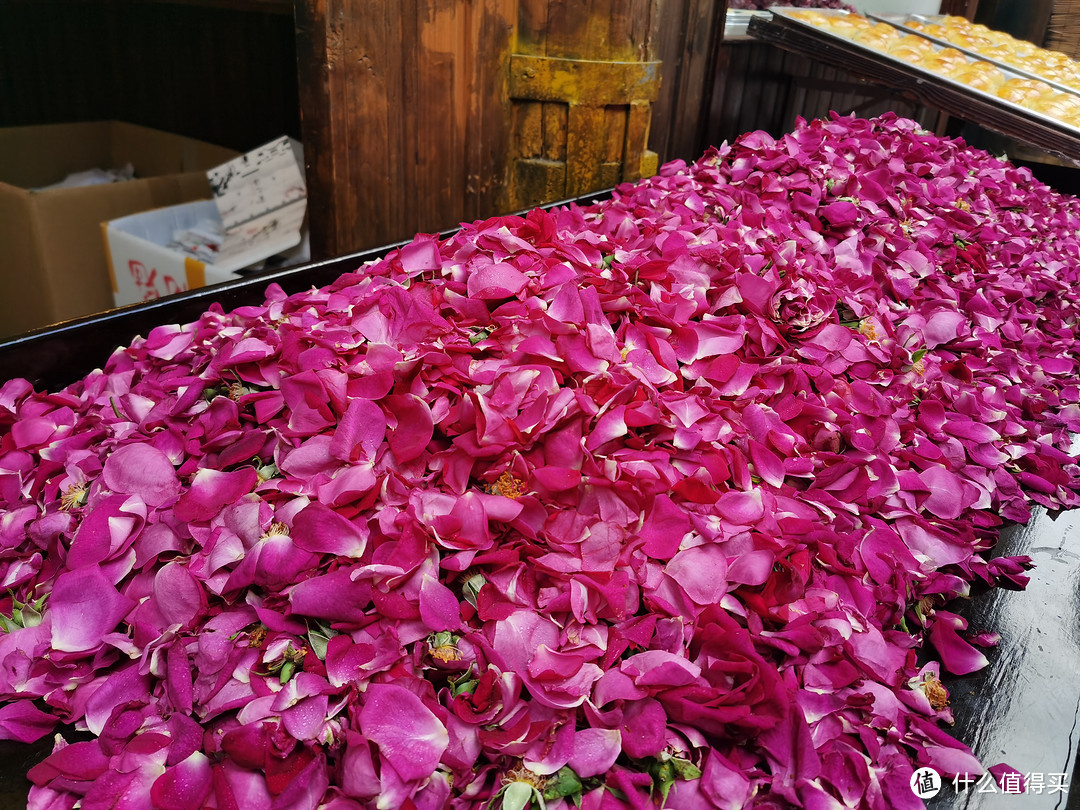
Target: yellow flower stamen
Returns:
[[523, 774], [446, 653], [277, 530], [257, 636], [74, 496], [443, 647], [508, 486], [935, 693]]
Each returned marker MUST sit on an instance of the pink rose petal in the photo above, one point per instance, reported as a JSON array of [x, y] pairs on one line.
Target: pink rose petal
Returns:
[[408, 735]]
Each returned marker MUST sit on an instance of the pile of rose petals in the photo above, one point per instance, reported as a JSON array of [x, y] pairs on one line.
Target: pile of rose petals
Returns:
[[654, 501]]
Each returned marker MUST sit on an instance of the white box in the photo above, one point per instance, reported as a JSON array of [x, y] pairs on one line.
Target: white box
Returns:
[[259, 202]]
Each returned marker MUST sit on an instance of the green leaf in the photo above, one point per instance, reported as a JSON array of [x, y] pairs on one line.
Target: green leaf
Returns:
[[564, 783], [667, 770], [265, 471], [464, 684], [464, 687], [482, 333], [918, 355], [685, 769], [286, 673], [664, 775], [318, 637], [665, 789], [471, 588], [517, 796], [618, 794], [30, 616]]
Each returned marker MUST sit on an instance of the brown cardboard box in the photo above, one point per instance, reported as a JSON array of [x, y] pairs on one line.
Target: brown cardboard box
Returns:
[[52, 258]]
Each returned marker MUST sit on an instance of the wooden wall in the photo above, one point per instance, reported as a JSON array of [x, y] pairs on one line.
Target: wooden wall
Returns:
[[223, 72], [402, 114], [418, 115], [689, 45], [759, 86]]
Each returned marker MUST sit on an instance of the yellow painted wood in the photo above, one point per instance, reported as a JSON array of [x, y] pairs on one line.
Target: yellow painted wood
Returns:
[[582, 81]]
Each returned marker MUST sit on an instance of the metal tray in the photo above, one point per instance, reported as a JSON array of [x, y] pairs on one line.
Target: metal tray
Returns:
[[737, 21], [900, 20], [1009, 72]]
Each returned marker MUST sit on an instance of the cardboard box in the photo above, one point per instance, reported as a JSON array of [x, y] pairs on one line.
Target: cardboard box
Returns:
[[260, 200], [52, 260]]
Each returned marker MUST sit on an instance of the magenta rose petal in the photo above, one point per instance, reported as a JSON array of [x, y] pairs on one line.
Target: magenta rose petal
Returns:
[[84, 606], [185, 785], [595, 751], [143, 470], [22, 721], [701, 572], [319, 529], [957, 656], [178, 595], [439, 607], [497, 280], [211, 491], [408, 735], [741, 507], [360, 431], [414, 427]]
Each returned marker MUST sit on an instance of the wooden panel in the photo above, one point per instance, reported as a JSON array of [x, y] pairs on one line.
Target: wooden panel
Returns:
[[582, 81], [406, 107], [1026, 20], [408, 112], [584, 148], [591, 64], [637, 134], [537, 181], [568, 31], [688, 46], [615, 127], [224, 73], [555, 131], [763, 87], [960, 8], [528, 123]]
